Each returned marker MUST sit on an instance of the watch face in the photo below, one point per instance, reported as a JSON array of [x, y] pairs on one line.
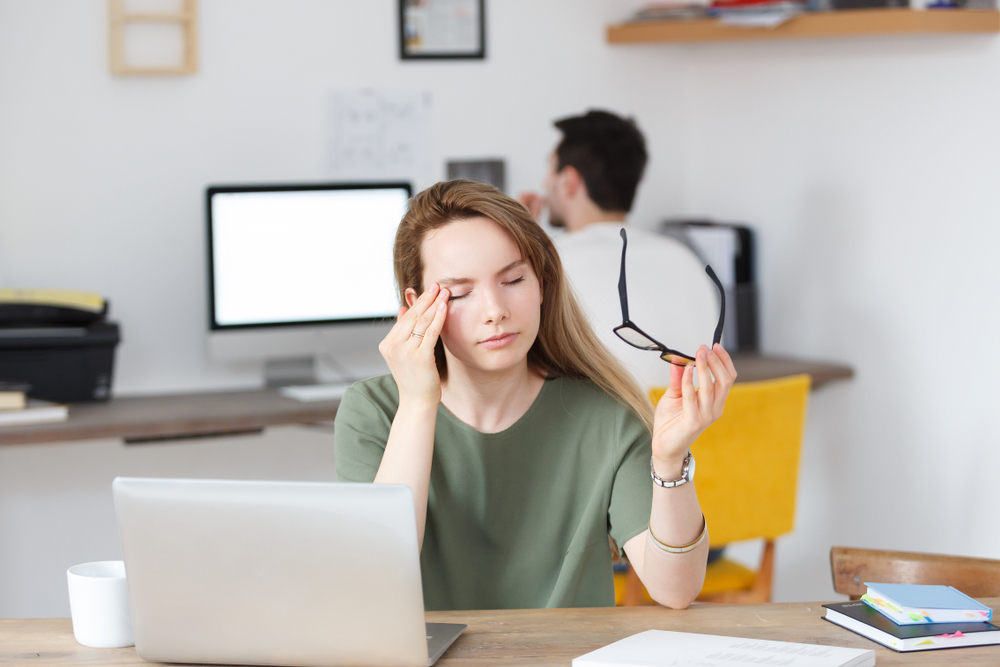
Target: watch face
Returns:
[[690, 475]]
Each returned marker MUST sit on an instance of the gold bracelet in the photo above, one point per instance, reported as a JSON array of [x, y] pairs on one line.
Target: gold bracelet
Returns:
[[687, 547]]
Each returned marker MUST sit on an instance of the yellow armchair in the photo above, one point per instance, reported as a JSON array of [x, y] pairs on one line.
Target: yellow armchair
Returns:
[[748, 464]]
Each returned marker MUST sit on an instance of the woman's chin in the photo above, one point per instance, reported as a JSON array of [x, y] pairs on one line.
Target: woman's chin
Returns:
[[495, 361]]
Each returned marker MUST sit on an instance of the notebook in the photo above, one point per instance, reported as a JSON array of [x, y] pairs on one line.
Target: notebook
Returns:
[[908, 604]]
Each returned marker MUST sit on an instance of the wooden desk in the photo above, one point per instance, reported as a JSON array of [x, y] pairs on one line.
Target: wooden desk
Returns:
[[140, 418], [197, 415], [542, 636]]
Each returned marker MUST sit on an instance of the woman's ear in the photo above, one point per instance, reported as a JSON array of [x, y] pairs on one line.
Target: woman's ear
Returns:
[[411, 296]]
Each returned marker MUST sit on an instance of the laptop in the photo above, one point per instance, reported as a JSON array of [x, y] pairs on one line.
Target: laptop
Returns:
[[275, 573]]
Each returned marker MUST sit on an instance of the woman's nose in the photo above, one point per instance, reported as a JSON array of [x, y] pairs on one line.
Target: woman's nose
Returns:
[[495, 307]]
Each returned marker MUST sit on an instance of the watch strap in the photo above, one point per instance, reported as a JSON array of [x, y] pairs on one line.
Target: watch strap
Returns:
[[667, 484]]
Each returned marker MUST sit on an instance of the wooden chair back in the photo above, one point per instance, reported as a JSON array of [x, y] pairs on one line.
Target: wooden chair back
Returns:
[[851, 568]]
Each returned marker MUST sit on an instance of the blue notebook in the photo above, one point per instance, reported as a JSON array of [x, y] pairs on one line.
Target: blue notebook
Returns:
[[908, 604]]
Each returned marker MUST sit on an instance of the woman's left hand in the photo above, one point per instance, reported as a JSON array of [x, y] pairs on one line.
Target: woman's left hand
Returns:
[[683, 413]]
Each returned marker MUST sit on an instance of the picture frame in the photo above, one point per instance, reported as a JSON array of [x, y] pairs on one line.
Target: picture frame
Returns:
[[442, 29]]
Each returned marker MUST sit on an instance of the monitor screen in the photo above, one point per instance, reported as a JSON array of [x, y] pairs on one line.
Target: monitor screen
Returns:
[[307, 254]]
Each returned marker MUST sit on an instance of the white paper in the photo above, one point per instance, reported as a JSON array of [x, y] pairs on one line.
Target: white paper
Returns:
[[659, 648], [380, 134]]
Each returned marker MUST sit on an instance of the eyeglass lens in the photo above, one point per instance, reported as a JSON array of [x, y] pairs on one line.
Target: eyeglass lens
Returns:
[[636, 339]]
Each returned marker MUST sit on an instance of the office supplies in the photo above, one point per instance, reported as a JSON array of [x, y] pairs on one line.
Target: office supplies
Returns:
[[661, 647], [300, 273], [284, 573], [35, 411], [98, 602], [908, 604], [860, 618]]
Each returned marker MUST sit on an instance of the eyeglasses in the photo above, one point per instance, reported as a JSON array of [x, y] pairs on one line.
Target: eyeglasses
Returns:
[[638, 338]]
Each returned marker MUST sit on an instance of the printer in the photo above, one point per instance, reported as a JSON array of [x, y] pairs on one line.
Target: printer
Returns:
[[729, 249], [57, 343]]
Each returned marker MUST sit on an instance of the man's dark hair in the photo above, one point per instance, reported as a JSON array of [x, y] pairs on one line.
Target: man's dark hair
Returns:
[[608, 151]]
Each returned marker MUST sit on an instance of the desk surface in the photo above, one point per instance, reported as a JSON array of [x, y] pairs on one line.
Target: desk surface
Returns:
[[196, 415], [542, 636]]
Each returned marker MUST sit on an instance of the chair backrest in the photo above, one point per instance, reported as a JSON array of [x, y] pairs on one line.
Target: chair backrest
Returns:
[[748, 460], [851, 568]]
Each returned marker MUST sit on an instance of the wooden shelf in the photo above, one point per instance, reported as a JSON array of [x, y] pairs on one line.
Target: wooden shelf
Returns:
[[845, 23]]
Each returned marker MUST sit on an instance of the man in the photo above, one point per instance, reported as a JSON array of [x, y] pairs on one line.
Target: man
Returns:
[[591, 183]]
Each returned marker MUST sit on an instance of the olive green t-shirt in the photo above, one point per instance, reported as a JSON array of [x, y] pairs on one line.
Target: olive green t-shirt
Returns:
[[521, 518]]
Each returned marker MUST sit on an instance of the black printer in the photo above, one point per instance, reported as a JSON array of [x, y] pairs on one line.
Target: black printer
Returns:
[[58, 343]]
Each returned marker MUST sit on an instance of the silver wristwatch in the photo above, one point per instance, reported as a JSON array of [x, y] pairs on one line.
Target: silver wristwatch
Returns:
[[686, 475]]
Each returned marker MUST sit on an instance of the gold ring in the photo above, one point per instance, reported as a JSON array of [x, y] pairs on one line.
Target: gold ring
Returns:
[[414, 333]]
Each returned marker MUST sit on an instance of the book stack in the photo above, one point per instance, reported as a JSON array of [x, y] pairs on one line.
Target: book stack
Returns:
[[16, 408], [756, 13], [916, 617], [672, 11]]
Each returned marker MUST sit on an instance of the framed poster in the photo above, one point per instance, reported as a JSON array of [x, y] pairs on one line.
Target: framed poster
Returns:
[[442, 29]]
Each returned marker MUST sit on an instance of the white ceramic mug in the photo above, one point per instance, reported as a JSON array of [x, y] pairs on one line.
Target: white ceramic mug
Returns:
[[98, 603]]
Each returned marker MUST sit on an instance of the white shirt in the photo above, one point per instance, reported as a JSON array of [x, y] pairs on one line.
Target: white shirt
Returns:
[[670, 297]]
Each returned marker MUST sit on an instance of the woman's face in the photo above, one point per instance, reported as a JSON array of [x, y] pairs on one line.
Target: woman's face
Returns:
[[495, 303]]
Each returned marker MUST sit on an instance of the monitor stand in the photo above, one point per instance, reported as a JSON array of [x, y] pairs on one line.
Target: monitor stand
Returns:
[[296, 378], [289, 371]]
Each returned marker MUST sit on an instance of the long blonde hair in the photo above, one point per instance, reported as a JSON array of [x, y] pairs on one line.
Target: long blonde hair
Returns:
[[566, 345]]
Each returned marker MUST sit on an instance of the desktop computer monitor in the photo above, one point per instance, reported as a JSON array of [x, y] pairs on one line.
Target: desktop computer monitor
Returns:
[[298, 273]]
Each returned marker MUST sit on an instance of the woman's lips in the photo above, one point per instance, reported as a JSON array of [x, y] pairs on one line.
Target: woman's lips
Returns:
[[499, 341]]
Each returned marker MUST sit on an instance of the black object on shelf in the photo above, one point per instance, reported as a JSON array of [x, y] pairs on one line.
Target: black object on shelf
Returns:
[[65, 364], [736, 242]]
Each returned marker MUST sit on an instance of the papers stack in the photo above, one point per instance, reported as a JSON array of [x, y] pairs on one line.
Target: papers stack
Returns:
[[659, 648]]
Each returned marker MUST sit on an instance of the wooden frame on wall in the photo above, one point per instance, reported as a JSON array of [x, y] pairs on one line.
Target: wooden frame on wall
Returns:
[[119, 19], [442, 29]]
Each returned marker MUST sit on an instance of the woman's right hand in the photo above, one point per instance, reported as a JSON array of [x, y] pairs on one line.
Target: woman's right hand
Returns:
[[409, 348]]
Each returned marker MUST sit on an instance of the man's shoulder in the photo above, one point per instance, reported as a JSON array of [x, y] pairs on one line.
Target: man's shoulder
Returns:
[[606, 236]]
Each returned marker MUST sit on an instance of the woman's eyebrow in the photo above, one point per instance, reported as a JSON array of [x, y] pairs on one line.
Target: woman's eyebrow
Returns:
[[444, 282]]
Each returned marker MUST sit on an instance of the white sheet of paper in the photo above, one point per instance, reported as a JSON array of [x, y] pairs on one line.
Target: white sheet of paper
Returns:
[[660, 648], [380, 134]]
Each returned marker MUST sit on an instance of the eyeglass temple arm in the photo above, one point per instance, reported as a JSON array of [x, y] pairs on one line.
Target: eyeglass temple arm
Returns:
[[622, 292], [722, 296]]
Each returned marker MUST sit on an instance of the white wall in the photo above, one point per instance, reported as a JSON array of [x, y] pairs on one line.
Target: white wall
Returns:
[[869, 168], [865, 165]]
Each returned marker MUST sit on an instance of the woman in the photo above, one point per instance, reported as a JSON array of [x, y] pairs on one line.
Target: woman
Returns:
[[524, 442]]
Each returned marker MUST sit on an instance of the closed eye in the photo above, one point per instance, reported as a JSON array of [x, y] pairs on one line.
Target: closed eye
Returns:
[[515, 281], [460, 296]]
